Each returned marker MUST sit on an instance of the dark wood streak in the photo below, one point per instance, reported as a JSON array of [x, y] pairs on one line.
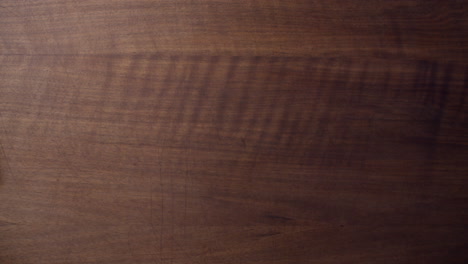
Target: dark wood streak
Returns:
[[274, 103], [282, 104], [462, 98], [200, 101]]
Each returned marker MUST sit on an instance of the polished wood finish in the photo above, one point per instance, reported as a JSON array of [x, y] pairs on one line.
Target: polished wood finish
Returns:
[[137, 131]]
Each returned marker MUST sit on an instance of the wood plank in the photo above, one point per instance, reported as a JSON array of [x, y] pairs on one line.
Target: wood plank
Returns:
[[233, 132]]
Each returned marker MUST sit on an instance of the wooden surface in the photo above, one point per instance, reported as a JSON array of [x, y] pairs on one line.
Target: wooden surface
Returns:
[[248, 131]]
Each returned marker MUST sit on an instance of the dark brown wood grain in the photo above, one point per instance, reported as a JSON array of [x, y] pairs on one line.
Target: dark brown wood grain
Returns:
[[233, 131]]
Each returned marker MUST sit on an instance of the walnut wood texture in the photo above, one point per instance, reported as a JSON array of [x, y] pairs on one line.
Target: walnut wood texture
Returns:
[[231, 132]]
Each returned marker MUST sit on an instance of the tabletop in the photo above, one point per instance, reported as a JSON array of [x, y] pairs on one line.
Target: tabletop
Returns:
[[249, 131]]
